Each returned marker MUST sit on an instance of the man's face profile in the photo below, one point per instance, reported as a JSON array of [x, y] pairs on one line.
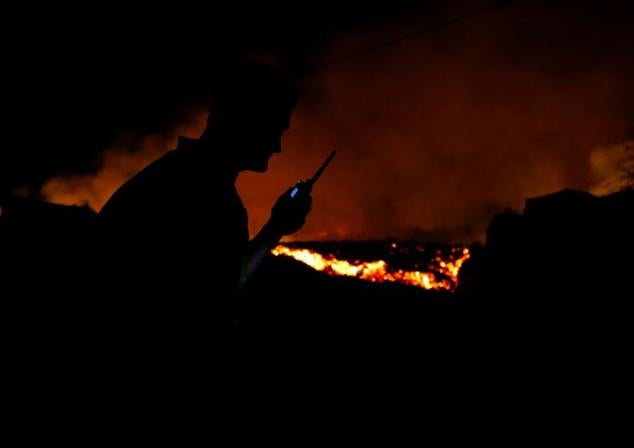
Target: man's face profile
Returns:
[[261, 139], [250, 109]]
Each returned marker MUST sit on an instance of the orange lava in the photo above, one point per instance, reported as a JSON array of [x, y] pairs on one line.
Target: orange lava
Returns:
[[442, 276]]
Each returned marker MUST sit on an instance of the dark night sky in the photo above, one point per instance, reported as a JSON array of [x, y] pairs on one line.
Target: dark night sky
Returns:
[[76, 77], [75, 81]]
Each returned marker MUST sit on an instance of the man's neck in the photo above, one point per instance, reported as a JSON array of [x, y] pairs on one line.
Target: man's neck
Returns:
[[211, 151]]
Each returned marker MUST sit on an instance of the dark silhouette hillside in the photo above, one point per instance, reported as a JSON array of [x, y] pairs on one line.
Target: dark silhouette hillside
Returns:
[[565, 251]]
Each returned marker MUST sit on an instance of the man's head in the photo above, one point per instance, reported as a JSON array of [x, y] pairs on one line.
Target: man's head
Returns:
[[250, 108]]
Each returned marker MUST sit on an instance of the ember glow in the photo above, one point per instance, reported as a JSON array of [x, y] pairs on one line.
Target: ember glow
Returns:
[[442, 274]]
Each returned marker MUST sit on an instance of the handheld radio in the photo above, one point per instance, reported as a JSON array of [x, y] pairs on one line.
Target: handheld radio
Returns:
[[306, 186]]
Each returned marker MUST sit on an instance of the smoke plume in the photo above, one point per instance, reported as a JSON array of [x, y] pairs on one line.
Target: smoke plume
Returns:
[[437, 133]]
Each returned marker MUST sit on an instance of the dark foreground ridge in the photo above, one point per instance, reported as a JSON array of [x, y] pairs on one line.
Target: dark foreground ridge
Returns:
[[569, 252], [565, 251]]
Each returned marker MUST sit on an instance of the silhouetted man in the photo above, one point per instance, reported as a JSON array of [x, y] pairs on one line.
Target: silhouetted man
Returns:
[[178, 230]]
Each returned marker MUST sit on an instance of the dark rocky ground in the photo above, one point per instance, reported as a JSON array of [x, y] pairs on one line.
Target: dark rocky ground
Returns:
[[565, 263]]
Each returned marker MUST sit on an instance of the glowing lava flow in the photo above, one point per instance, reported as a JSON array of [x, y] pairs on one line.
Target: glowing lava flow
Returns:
[[445, 275]]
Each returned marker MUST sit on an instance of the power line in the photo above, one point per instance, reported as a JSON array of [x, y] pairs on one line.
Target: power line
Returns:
[[495, 5]]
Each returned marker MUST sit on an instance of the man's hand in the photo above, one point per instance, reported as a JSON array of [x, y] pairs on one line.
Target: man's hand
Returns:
[[289, 213]]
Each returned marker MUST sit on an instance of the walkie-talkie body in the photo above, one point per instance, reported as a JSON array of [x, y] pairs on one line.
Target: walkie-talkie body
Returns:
[[306, 186]]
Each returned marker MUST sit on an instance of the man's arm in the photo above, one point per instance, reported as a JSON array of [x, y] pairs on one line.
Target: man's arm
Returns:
[[287, 216]]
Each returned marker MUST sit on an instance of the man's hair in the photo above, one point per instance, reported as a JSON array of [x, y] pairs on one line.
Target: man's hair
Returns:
[[251, 88]]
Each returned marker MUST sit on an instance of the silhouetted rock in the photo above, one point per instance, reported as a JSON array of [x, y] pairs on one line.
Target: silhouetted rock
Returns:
[[288, 293], [44, 243], [50, 282], [567, 250]]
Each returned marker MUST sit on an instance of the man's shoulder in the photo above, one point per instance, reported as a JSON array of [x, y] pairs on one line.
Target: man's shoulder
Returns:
[[145, 186], [177, 179]]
